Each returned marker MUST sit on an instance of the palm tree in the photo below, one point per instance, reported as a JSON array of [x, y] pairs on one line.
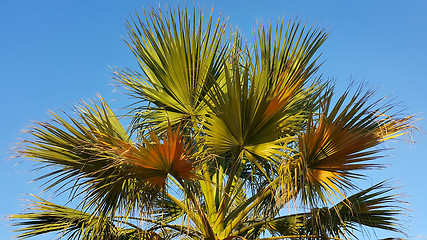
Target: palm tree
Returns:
[[226, 141]]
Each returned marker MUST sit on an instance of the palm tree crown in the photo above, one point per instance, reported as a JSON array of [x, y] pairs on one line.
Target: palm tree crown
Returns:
[[228, 140]]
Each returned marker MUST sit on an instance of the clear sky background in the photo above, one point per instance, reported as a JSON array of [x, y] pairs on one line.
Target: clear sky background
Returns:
[[54, 53]]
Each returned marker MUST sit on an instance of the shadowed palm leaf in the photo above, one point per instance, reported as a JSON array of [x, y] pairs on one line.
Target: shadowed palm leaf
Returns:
[[370, 208], [45, 217]]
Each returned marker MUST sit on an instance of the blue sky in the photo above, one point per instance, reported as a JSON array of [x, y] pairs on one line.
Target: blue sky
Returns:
[[54, 53]]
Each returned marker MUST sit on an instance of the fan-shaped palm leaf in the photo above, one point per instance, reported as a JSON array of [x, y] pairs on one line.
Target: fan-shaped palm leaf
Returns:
[[180, 58], [226, 136], [372, 207], [45, 217], [97, 155], [259, 106], [72, 147], [156, 159], [339, 142]]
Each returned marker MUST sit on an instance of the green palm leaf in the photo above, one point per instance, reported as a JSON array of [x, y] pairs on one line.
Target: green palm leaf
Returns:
[[73, 148], [97, 157], [45, 217], [227, 137], [373, 207], [260, 107], [180, 59]]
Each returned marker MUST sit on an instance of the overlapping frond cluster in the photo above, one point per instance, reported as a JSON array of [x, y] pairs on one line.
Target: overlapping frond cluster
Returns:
[[338, 141], [224, 137], [94, 154]]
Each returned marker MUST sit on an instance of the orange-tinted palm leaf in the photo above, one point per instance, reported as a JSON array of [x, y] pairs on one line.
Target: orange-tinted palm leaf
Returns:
[[339, 142], [157, 158]]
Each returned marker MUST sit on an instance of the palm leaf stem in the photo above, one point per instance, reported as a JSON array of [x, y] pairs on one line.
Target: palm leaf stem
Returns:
[[250, 203], [208, 231], [207, 189], [226, 197], [240, 208], [190, 213]]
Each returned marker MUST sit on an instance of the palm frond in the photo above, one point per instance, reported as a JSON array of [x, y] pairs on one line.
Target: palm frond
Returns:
[[157, 158], [223, 137], [180, 56], [373, 207], [338, 142], [167, 211], [258, 107], [45, 217], [72, 148], [286, 56], [96, 156]]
